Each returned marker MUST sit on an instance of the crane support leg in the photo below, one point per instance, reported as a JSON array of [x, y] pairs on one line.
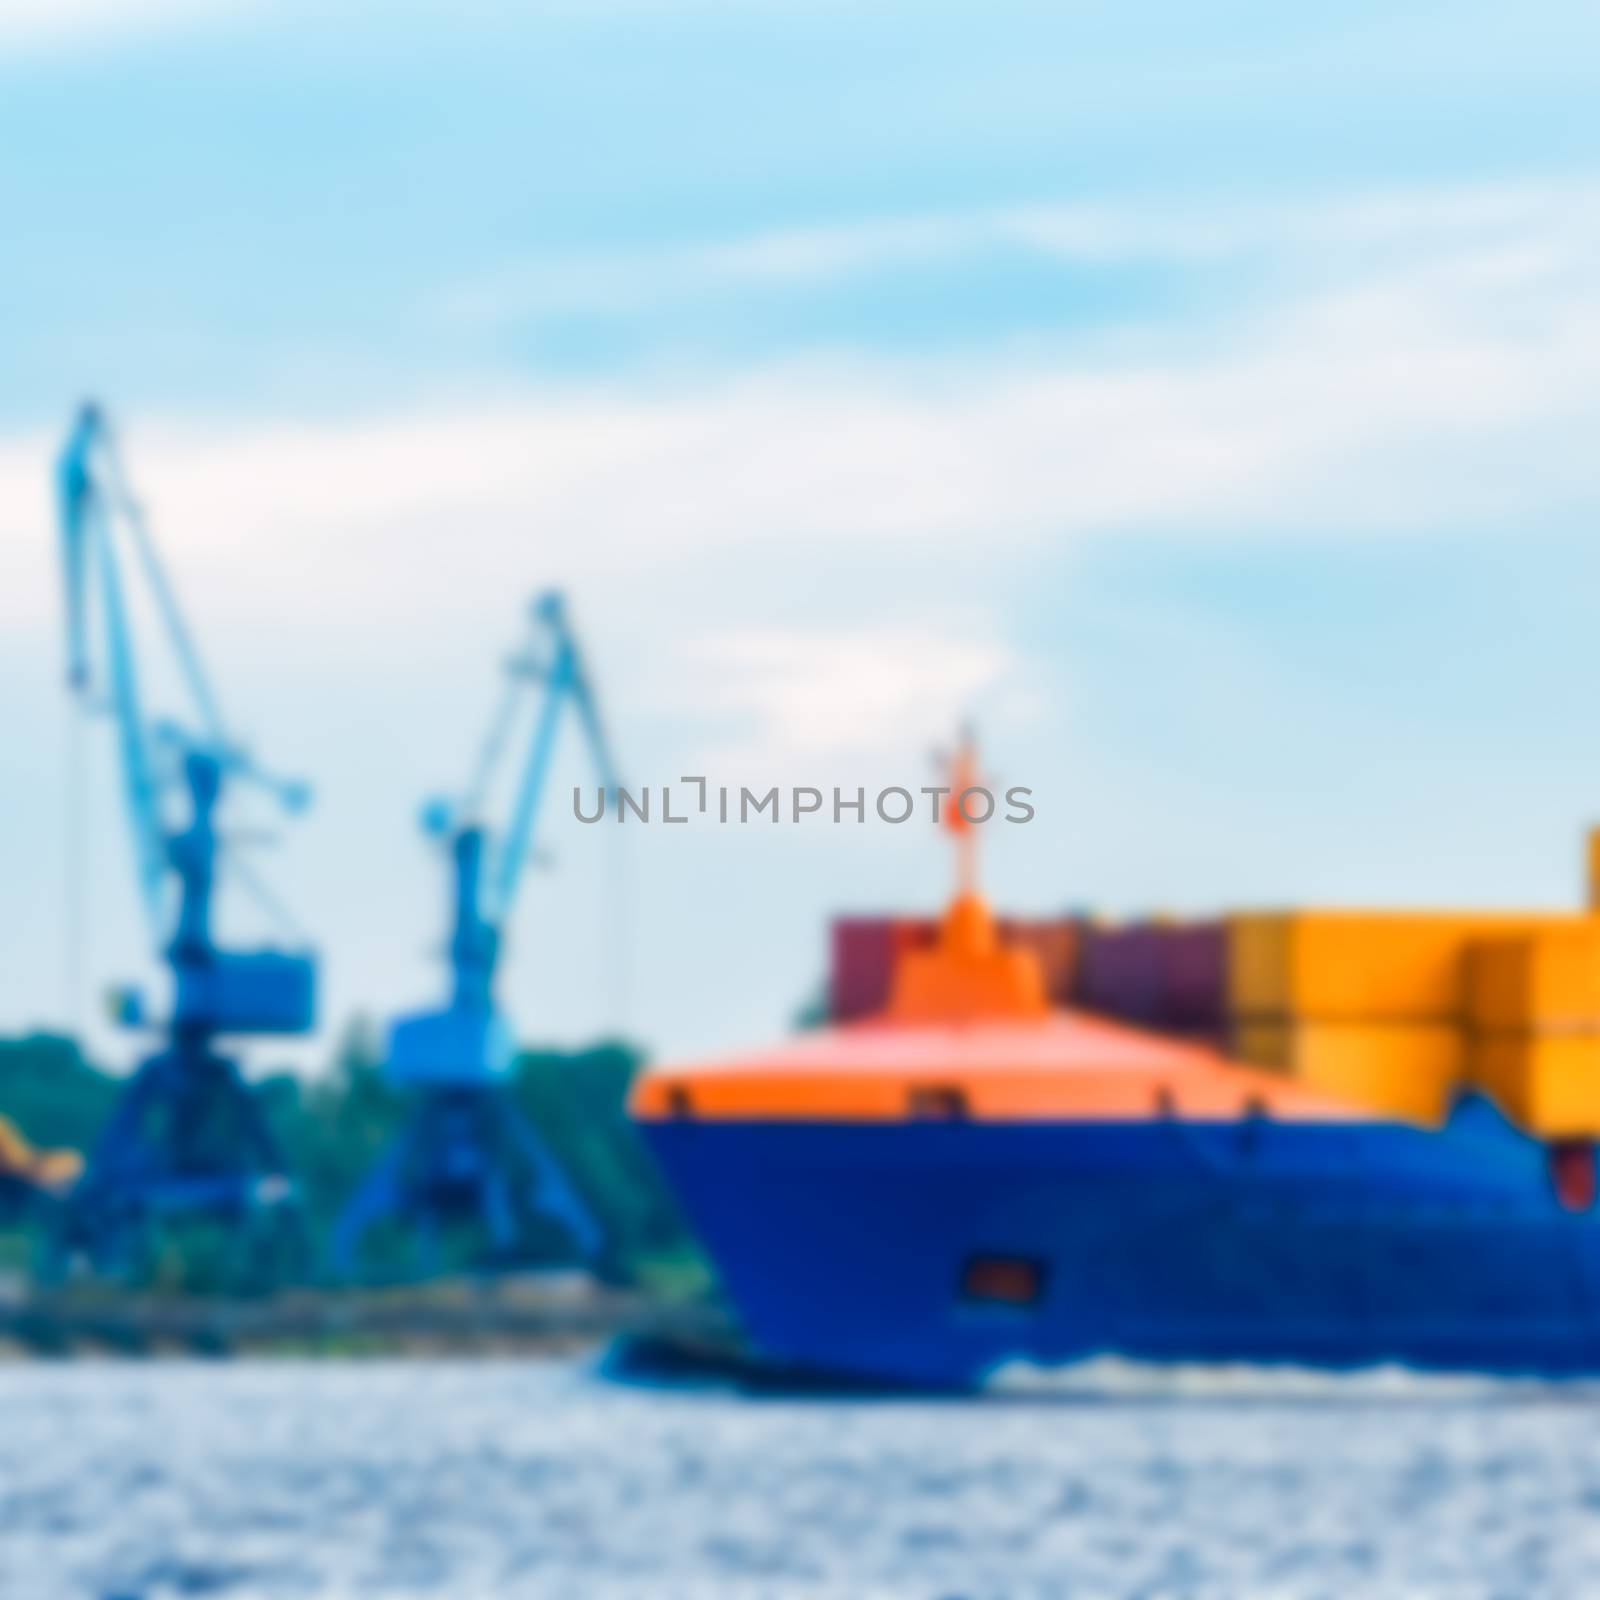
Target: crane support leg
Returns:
[[465, 1157], [188, 1138]]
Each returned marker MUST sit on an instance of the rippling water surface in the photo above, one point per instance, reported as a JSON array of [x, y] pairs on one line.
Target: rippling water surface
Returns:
[[543, 1478]]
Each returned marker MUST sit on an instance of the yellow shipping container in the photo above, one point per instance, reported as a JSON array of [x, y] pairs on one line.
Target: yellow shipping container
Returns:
[[1545, 980], [1546, 1083], [1407, 1070], [1359, 966]]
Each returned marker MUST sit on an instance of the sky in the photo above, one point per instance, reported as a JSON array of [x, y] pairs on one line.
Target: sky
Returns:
[[1202, 399]]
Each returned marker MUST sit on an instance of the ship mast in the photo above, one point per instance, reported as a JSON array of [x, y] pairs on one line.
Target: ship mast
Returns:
[[962, 769]]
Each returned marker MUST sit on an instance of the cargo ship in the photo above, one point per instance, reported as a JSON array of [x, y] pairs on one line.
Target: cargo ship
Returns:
[[1333, 1138]]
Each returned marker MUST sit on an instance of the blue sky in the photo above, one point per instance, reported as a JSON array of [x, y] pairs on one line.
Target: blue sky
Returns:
[[1204, 397]]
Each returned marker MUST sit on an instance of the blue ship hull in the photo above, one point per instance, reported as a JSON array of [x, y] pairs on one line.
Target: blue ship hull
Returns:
[[848, 1248]]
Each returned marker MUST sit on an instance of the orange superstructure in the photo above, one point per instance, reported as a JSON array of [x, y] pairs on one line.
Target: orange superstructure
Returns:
[[968, 974], [968, 1034]]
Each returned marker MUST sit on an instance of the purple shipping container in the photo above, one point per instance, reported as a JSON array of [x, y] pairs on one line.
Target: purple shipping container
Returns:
[[1120, 972], [861, 969], [1168, 976], [1194, 977], [861, 961]]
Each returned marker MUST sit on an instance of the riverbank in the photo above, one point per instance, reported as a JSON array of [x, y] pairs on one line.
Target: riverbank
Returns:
[[545, 1313]]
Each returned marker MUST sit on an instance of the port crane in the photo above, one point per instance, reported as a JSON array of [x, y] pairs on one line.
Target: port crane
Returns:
[[188, 1136], [466, 1154]]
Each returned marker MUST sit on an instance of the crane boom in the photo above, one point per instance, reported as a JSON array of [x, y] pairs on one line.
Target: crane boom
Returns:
[[565, 680], [467, 1150], [156, 1155], [215, 991], [88, 549], [469, 1040]]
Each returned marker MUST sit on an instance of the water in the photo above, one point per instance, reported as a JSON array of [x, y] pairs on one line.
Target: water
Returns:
[[542, 1478]]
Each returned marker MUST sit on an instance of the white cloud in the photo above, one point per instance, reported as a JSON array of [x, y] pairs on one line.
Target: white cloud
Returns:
[[1433, 389], [876, 693], [1342, 234], [1353, 407]]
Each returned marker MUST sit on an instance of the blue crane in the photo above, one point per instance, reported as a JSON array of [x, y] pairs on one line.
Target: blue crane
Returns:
[[187, 1136], [466, 1154]]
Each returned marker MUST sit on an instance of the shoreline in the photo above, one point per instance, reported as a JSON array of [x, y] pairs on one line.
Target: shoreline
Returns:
[[544, 1315]]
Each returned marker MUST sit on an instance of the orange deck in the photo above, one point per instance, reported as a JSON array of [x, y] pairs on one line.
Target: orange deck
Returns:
[[1066, 1066]]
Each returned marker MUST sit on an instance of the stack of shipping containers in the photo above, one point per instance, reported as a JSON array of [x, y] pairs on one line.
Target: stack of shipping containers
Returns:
[[1392, 1011], [1534, 1027], [1365, 1006], [1167, 976]]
